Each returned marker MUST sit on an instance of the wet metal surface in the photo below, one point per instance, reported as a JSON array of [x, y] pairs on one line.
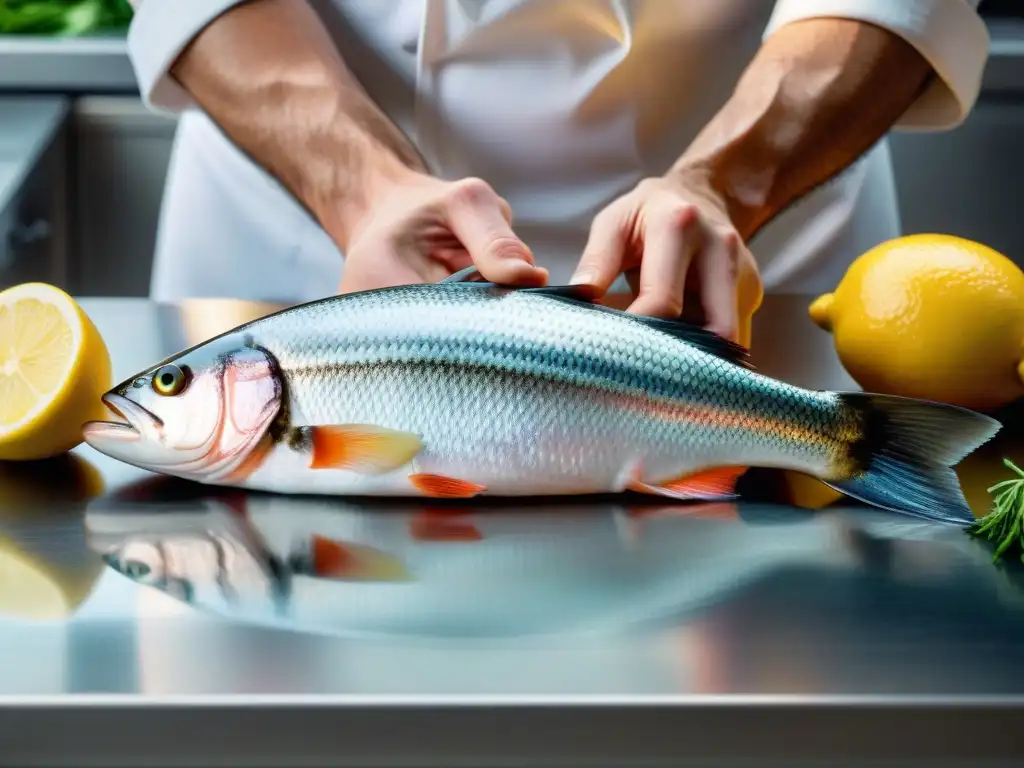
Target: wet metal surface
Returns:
[[115, 581]]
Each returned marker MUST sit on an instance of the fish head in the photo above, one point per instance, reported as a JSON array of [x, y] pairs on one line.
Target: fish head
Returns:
[[197, 415]]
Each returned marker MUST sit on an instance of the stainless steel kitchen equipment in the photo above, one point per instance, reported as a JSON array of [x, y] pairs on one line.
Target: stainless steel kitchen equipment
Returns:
[[33, 189]]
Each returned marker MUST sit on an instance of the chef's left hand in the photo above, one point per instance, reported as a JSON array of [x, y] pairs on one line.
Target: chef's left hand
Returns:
[[681, 253]]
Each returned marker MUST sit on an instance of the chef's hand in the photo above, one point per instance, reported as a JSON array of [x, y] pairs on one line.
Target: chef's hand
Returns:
[[682, 256], [420, 229]]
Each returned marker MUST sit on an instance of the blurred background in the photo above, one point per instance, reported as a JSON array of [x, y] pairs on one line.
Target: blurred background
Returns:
[[82, 162]]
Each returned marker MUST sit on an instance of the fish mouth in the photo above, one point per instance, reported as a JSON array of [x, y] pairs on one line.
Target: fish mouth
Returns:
[[134, 420]]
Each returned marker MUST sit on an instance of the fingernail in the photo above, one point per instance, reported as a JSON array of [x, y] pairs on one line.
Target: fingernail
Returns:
[[584, 277]]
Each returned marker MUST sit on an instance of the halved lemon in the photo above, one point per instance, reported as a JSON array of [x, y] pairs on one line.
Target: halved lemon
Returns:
[[54, 367]]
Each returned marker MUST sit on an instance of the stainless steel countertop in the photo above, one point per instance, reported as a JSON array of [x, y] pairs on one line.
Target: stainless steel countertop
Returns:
[[710, 633], [100, 63]]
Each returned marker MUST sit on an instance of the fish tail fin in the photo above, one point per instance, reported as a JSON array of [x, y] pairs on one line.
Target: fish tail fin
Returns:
[[904, 458]]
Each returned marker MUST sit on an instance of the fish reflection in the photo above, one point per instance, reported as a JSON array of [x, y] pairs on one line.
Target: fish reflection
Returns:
[[172, 563], [46, 568], [183, 544], [387, 568], [176, 560]]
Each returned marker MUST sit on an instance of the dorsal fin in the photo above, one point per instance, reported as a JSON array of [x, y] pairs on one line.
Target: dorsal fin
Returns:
[[704, 340], [584, 295], [467, 275], [472, 275]]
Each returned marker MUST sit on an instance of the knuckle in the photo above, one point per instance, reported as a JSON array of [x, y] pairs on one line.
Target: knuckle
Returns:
[[681, 215], [472, 191], [732, 249], [731, 240]]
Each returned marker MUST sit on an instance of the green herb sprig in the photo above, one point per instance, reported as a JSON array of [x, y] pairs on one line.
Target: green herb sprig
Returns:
[[1005, 523]]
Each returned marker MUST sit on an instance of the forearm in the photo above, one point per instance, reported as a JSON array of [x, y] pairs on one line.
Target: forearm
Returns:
[[818, 95], [270, 76]]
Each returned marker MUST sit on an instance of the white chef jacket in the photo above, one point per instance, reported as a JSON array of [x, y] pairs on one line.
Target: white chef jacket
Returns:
[[561, 105]]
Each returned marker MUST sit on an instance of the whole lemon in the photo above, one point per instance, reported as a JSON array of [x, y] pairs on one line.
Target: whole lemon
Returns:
[[930, 316]]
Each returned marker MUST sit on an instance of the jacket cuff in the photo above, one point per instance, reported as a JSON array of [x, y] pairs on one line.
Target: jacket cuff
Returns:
[[160, 30], [950, 34]]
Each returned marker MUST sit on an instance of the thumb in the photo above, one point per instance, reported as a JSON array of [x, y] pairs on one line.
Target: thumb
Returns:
[[479, 219]]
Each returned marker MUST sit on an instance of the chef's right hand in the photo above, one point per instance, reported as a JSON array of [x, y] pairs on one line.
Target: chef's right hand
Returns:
[[420, 229]]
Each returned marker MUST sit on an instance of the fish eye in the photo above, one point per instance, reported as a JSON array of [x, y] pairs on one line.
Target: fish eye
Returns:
[[169, 380], [136, 569]]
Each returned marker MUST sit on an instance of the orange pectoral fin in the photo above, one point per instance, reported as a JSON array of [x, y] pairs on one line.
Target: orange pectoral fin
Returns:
[[329, 558], [442, 487], [441, 525], [711, 485], [345, 561], [362, 448]]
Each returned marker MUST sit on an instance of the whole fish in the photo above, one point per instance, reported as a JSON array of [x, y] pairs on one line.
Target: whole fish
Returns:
[[464, 388]]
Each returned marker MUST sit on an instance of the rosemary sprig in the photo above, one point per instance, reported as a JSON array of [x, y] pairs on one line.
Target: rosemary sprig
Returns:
[[1005, 523]]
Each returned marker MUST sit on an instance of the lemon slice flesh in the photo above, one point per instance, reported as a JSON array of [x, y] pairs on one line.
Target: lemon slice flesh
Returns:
[[54, 367]]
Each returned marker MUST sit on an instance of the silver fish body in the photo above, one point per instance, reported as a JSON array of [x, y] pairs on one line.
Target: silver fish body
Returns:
[[527, 395], [535, 392]]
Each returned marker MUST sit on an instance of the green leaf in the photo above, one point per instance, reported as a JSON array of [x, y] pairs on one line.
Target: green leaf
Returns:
[[1004, 525]]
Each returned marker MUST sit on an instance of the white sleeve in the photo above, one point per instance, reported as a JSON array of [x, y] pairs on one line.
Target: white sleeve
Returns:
[[160, 30], [950, 34]]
